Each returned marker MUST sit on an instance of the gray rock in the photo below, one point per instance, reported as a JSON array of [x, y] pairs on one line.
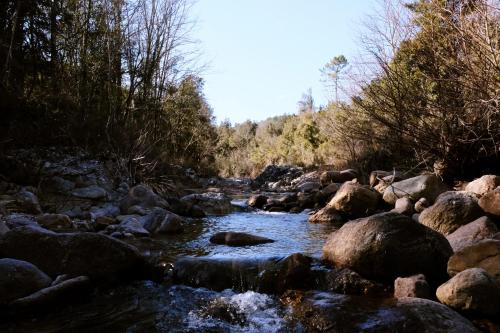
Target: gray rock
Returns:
[[424, 186], [472, 233], [92, 192], [142, 196], [20, 278], [329, 312], [14, 221], [308, 186], [484, 254], [210, 203], [171, 224], [238, 239], [483, 185], [413, 286], [3, 228], [388, 245], [451, 211], [472, 290], [132, 226], [28, 202]]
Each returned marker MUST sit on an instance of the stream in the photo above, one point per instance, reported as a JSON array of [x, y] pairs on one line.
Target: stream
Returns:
[[149, 307]]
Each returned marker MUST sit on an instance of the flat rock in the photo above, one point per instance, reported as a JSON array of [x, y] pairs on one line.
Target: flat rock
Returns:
[[472, 290], [472, 233], [20, 278], [238, 239], [389, 245], [101, 258], [451, 211], [93, 192], [484, 254]]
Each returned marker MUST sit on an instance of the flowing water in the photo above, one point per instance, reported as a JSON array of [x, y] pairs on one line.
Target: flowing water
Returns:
[[151, 307]]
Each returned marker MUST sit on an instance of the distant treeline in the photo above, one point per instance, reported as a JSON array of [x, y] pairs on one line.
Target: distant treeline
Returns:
[[425, 95]]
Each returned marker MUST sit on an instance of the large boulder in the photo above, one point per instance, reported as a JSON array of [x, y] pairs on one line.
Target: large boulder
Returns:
[[277, 173], [238, 239], [484, 254], [20, 278], [388, 245], [451, 211], [423, 186], [472, 290], [102, 258], [471, 233], [354, 200], [490, 202], [329, 312], [210, 203], [483, 185]]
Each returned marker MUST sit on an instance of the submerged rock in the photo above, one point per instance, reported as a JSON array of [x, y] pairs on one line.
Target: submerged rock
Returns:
[[329, 312], [20, 278], [388, 245], [472, 290], [238, 239], [450, 211]]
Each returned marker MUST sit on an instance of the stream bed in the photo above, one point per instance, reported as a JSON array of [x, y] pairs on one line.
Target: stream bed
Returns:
[[150, 307]]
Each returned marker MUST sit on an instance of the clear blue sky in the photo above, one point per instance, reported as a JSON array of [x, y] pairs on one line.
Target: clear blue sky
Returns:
[[264, 54]]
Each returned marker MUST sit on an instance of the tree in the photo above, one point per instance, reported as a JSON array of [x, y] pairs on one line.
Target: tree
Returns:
[[332, 72], [306, 103]]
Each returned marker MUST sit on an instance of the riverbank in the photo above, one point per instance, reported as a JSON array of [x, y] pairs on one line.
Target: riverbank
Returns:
[[85, 249]]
